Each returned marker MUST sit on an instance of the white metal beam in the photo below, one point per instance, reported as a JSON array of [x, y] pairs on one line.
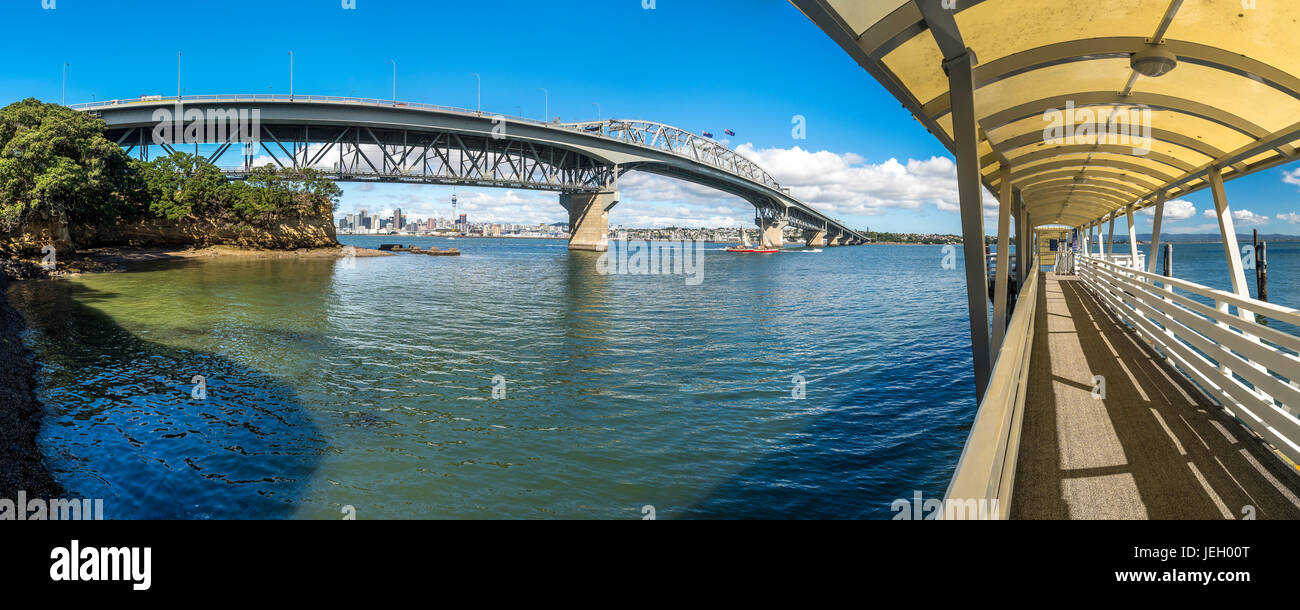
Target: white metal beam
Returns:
[[1155, 232], [970, 189], [1228, 231]]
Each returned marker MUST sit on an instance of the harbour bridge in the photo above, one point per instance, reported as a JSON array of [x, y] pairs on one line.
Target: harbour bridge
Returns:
[[370, 140]]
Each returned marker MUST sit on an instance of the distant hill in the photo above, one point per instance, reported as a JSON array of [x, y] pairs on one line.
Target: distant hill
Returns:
[[1212, 238]]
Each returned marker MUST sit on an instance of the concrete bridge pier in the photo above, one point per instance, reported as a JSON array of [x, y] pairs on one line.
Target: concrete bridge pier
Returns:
[[589, 219], [838, 240], [773, 232], [815, 239]]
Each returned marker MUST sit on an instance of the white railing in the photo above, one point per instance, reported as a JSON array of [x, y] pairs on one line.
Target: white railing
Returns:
[[1064, 261], [1126, 260], [1249, 368], [985, 474]]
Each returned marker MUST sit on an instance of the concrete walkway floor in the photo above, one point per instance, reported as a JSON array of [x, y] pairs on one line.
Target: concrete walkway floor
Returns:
[[1153, 448]]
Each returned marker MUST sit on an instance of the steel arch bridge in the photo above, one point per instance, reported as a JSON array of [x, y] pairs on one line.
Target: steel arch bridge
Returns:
[[369, 140]]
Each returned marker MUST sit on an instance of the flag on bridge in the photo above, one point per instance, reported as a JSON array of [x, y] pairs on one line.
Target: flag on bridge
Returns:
[[708, 135], [729, 132]]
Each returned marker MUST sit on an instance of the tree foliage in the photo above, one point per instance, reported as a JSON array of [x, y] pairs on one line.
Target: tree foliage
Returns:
[[56, 164]]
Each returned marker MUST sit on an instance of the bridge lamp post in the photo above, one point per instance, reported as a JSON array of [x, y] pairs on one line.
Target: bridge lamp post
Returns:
[[597, 111], [178, 76], [546, 115], [394, 62], [480, 91], [291, 76], [65, 83]]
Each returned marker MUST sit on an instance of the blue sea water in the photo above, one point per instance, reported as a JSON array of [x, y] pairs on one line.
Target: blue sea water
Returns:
[[515, 381]]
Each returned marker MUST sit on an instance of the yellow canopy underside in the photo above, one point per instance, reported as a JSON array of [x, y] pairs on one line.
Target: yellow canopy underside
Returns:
[[1232, 102]]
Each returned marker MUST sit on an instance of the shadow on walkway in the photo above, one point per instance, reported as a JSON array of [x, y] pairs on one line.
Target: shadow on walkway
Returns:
[[1153, 448]]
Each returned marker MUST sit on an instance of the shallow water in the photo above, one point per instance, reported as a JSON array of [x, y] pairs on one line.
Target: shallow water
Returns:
[[369, 383]]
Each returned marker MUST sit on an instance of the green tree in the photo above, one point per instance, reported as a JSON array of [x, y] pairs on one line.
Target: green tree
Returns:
[[56, 165], [182, 185]]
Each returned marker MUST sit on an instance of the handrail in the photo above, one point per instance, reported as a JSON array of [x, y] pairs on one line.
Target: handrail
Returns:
[[985, 475], [1250, 369]]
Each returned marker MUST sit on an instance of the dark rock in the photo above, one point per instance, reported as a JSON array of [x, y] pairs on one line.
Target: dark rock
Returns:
[[21, 414]]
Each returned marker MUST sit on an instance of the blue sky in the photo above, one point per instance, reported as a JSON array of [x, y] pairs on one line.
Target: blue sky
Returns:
[[746, 65]]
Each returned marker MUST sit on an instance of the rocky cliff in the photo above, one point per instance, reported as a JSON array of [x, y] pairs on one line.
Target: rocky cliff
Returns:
[[283, 235]]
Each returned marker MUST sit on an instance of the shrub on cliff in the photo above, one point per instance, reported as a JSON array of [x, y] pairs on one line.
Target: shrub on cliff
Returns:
[[56, 165], [181, 186]]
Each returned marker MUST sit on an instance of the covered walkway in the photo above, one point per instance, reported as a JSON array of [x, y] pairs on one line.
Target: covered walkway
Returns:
[[1153, 448]]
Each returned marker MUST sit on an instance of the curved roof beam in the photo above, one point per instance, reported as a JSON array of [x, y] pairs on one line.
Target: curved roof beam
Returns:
[[1104, 175], [1121, 188], [1062, 198], [1159, 135], [1086, 214], [1048, 153], [1091, 206], [1096, 207], [1156, 101], [1122, 47], [1069, 185], [1079, 165], [1068, 218]]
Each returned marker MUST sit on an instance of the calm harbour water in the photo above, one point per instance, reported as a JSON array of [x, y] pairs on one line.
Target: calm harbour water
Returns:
[[369, 383]]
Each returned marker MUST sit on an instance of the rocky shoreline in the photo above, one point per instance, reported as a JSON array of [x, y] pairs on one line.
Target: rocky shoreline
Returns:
[[21, 413]]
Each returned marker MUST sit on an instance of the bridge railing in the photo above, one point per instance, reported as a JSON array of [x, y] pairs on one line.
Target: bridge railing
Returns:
[[312, 99], [985, 474], [1249, 368]]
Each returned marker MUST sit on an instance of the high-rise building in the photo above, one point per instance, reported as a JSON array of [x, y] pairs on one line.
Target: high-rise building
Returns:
[[398, 220]]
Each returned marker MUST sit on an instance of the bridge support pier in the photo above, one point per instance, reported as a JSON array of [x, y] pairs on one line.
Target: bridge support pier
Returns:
[[589, 219], [838, 240], [815, 239], [773, 232]]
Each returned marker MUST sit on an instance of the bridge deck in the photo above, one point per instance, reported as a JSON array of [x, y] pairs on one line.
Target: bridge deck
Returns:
[[1154, 448]]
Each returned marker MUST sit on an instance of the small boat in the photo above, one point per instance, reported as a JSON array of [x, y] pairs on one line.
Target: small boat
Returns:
[[748, 248]]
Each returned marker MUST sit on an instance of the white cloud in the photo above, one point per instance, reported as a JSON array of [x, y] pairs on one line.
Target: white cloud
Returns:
[[1291, 177], [1178, 209], [1243, 218], [1290, 217], [847, 184], [840, 185]]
